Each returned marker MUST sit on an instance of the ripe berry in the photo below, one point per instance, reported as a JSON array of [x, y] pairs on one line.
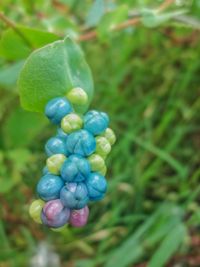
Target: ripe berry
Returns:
[[49, 187], [81, 142], [74, 195], [75, 169], [57, 108], [96, 122], [96, 185]]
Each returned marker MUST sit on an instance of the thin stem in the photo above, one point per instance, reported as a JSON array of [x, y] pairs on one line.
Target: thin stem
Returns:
[[12, 25]]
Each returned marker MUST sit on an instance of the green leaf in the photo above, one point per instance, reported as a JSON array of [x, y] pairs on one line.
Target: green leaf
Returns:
[[14, 47], [95, 13], [9, 75], [169, 246], [110, 20], [151, 18], [53, 71]]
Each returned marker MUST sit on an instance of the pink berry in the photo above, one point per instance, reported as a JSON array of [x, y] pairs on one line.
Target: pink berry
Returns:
[[78, 218]]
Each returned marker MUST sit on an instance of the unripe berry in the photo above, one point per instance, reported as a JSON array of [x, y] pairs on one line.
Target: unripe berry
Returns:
[[49, 187], [77, 96], [74, 195], [57, 108], [78, 218], [96, 122], [75, 169], [103, 147], [55, 162], [81, 142], [35, 210], [97, 163], [109, 135], [96, 185], [71, 122]]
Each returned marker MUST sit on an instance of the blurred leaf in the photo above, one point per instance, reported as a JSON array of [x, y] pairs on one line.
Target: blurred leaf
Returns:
[[169, 246], [151, 18], [96, 11], [110, 20], [14, 47], [21, 127], [52, 71], [9, 74]]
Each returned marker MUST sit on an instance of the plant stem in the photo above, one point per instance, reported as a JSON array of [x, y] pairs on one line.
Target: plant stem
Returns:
[[12, 25]]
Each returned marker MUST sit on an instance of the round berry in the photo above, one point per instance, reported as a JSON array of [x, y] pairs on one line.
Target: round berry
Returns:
[[54, 214], [71, 123], [45, 170], [55, 162], [61, 134], [103, 147], [96, 185], [74, 195], [77, 96], [55, 145], [95, 122], [97, 163], [57, 108], [81, 142], [35, 210], [49, 187], [109, 135], [75, 169], [79, 218]]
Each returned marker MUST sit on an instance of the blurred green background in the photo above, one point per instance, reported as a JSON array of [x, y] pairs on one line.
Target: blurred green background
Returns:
[[147, 77]]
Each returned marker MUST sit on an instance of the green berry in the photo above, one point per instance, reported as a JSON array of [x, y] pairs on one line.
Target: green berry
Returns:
[[103, 170], [77, 96], [71, 123], [96, 162], [109, 135], [103, 146], [55, 162], [35, 210]]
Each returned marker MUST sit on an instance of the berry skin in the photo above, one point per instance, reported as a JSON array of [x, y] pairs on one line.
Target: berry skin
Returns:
[[109, 135], [71, 122], [74, 195], [96, 185], [95, 122], [45, 170], [57, 108], [61, 134], [77, 96], [75, 169], [78, 218], [97, 163], [103, 147], [55, 145], [49, 187], [81, 142], [54, 214], [55, 162], [35, 210]]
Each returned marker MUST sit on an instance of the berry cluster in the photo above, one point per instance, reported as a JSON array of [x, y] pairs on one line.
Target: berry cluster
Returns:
[[75, 168]]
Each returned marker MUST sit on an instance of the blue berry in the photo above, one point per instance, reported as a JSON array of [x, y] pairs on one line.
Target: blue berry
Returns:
[[57, 108], [75, 169], [49, 187], [74, 195], [55, 145], [81, 142], [61, 134], [96, 122], [45, 170], [96, 185]]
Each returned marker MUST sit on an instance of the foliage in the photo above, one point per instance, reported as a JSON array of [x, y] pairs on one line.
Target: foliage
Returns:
[[146, 76]]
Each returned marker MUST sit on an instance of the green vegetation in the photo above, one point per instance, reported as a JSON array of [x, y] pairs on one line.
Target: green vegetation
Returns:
[[144, 57]]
